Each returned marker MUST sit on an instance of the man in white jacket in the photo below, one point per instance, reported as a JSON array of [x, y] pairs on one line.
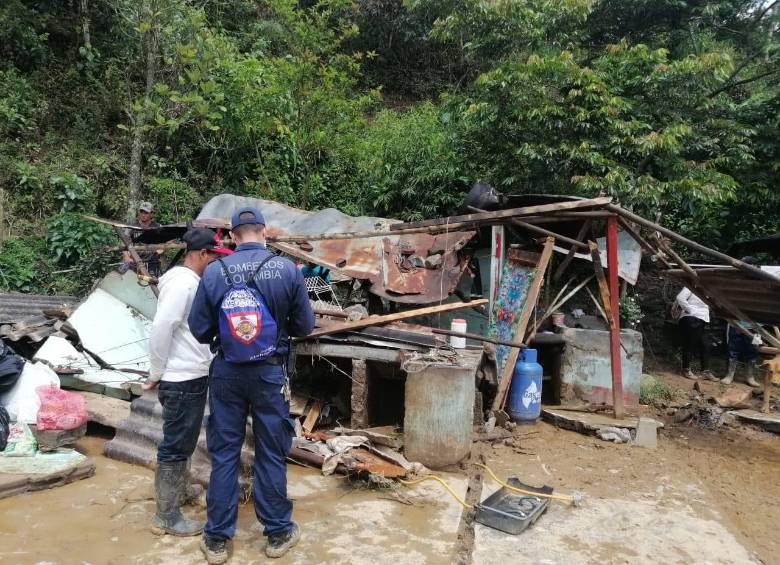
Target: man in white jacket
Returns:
[[694, 315], [180, 365]]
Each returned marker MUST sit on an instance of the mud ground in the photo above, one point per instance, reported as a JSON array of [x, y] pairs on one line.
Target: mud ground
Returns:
[[701, 497]]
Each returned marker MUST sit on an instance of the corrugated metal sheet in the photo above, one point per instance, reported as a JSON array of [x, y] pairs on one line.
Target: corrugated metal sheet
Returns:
[[759, 300], [17, 306], [392, 264]]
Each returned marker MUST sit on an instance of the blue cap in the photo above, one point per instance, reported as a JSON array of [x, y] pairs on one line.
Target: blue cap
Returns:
[[246, 216]]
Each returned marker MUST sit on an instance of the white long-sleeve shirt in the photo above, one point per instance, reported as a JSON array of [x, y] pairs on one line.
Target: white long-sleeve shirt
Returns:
[[692, 305], [174, 353]]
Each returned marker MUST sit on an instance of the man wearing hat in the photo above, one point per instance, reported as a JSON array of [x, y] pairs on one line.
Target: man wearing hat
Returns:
[[151, 259], [179, 365], [247, 306]]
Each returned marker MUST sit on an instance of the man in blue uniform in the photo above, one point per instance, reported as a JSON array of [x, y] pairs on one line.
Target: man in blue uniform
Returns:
[[239, 386]]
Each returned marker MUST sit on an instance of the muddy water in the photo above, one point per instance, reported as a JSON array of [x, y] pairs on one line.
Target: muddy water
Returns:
[[105, 519]]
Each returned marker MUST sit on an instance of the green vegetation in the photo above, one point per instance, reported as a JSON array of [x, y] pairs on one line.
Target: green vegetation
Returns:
[[384, 107], [653, 391]]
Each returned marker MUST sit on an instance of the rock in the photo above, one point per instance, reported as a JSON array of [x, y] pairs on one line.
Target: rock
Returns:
[[697, 386], [616, 435], [735, 398], [51, 440], [646, 433], [433, 261]]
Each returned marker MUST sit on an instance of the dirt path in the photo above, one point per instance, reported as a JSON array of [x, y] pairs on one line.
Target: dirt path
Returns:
[[701, 497]]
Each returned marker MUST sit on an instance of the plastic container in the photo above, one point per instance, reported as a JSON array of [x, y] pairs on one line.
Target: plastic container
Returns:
[[525, 395], [458, 325], [559, 319]]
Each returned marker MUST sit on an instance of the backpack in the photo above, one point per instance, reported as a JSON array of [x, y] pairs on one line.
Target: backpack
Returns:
[[248, 332]]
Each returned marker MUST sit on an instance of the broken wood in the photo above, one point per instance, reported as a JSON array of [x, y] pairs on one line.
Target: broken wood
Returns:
[[558, 304], [387, 318], [477, 337], [572, 250], [603, 285], [134, 254], [522, 324], [509, 213], [542, 231], [312, 416], [333, 313], [741, 265]]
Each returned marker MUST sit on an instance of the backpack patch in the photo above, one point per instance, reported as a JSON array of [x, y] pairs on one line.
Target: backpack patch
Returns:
[[247, 329]]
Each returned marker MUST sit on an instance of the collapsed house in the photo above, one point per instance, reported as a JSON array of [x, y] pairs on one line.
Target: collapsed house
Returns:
[[380, 358]]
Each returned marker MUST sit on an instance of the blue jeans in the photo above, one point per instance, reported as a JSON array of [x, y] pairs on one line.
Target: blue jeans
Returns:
[[741, 347], [183, 405], [231, 400]]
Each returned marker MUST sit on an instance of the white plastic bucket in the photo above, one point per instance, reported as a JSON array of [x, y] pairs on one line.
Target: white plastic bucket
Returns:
[[458, 325]]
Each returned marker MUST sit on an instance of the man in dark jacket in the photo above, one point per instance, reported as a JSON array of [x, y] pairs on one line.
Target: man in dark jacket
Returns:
[[257, 388]]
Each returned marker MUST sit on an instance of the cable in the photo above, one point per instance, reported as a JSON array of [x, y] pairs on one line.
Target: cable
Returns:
[[443, 483], [575, 499]]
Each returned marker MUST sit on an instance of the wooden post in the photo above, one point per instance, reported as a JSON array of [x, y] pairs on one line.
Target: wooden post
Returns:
[[614, 330], [522, 324], [572, 250]]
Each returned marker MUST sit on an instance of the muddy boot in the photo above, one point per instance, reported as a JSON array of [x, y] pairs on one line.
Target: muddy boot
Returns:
[[727, 380], [189, 493], [279, 544], [214, 549], [169, 481], [688, 374], [751, 371]]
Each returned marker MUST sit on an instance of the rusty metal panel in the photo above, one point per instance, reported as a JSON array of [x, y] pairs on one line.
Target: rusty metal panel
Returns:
[[393, 275]]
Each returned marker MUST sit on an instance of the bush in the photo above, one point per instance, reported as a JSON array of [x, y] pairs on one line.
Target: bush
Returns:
[[22, 265], [653, 391]]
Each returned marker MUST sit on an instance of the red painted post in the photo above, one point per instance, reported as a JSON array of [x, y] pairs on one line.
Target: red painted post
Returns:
[[614, 332]]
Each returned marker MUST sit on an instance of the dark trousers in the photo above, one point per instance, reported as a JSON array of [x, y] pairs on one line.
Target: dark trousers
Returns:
[[740, 347], [231, 400], [183, 405], [694, 342]]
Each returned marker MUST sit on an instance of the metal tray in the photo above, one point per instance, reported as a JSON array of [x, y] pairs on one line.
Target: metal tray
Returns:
[[511, 512]]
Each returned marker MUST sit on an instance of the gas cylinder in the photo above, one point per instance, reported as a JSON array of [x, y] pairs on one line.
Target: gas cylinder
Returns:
[[525, 394]]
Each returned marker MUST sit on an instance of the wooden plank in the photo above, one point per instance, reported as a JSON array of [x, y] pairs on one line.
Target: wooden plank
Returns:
[[522, 325], [312, 417], [477, 337], [602, 280], [543, 231], [572, 250], [509, 213], [386, 319]]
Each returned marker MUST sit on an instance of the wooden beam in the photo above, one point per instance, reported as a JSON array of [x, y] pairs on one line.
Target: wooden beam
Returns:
[[614, 332], [387, 318], [601, 277], [477, 337], [542, 231], [643, 243], [555, 305], [572, 250], [134, 254], [509, 213], [522, 325], [756, 272]]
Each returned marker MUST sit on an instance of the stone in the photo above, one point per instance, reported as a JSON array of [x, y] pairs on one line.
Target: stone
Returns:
[[646, 433], [433, 261]]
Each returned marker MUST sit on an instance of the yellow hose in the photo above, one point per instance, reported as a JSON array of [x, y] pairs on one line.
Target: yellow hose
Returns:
[[444, 483], [574, 499]]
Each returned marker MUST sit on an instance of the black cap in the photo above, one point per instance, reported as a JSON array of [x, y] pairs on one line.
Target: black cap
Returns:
[[204, 238]]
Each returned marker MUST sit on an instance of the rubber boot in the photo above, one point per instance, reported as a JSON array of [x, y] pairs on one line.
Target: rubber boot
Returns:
[[169, 484], [189, 493], [751, 380], [729, 378]]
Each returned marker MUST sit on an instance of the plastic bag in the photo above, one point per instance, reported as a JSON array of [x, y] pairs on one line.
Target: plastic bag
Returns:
[[21, 401], [21, 442], [60, 409], [5, 427]]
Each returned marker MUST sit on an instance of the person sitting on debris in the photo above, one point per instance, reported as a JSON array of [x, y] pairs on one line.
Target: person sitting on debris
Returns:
[[151, 259], [179, 365], [694, 315], [248, 305]]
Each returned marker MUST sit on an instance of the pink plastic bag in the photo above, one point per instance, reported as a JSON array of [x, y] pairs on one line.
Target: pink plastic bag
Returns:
[[60, 409]]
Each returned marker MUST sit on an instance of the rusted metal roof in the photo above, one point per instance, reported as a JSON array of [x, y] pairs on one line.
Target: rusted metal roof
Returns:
[[17, 306], [759, 300], [395, 265]]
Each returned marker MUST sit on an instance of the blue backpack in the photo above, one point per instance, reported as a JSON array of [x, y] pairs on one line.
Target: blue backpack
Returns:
[[248, 332]]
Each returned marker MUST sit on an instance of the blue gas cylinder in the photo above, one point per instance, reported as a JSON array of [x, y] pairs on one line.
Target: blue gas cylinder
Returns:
[[525, 394]]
